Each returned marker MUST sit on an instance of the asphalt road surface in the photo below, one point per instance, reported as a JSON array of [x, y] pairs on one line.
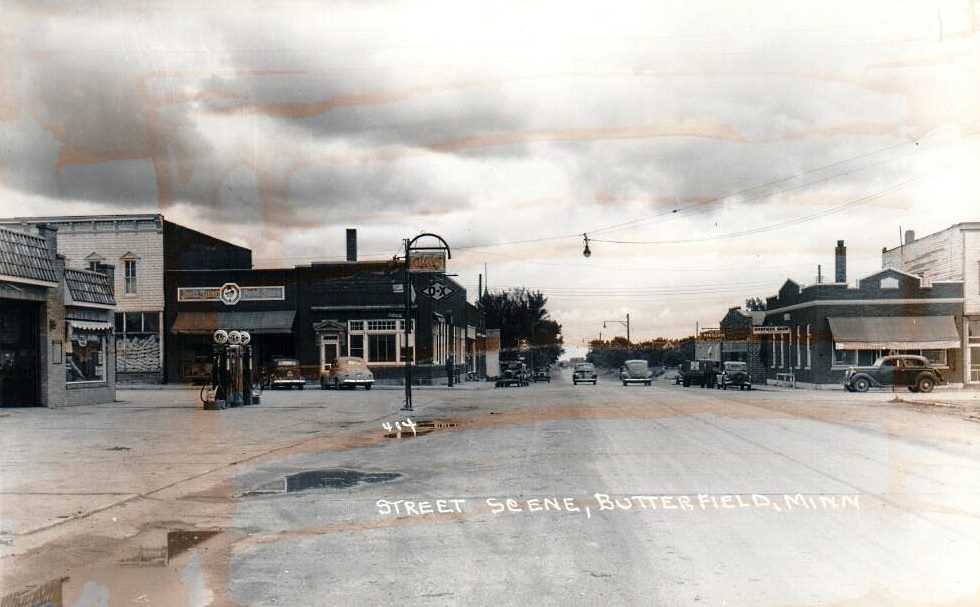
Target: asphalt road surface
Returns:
[[546, 495]]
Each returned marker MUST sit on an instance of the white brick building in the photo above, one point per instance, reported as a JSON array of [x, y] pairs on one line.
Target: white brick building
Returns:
[[140, 248], [952, 254]]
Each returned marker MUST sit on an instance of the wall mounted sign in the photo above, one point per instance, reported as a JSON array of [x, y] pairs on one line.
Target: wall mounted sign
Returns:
[[437, 291], [770, 330], [231, 293], [426, 262]]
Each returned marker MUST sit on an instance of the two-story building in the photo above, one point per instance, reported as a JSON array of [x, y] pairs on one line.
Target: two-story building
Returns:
[[952, 254], [143, 248]]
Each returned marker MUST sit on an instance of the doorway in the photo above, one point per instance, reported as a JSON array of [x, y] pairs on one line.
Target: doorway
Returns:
[[20, 359]]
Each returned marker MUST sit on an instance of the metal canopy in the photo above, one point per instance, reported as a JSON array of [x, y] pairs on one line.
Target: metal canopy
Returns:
[[203, 323], [895, 333]]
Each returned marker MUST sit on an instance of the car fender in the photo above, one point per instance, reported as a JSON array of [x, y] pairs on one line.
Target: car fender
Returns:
[[871, 380]]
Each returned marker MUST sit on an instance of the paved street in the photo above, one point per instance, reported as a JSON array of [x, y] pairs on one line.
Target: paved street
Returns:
[[550, 494]]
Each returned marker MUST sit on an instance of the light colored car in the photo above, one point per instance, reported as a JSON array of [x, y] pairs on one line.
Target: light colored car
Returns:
[[584, 373], [348, 372], [636, 372]]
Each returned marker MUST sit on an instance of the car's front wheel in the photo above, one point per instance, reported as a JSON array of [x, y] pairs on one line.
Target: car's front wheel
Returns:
[[861, 384], [925, 384]]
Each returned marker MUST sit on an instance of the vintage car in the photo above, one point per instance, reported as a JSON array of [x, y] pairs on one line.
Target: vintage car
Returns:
[[284, 373], [698, 372], [636, 372], [734, 373], [584, 373], [542, 374], [908, 370], [347, 372], [513, 373]]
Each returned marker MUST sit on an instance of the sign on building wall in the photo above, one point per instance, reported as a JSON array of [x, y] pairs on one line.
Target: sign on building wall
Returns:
[[230, 293], [422, 262], [770, 330]]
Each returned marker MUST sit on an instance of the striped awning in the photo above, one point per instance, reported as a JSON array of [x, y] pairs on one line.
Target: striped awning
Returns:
[[895, 333], [89, 325]]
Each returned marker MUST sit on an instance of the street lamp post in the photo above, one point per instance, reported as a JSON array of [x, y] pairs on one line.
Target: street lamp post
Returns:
[[433, 261], [625, 323]]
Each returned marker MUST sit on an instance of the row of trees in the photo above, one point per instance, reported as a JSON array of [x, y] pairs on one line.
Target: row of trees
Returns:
[[658, 352], [522, 314]]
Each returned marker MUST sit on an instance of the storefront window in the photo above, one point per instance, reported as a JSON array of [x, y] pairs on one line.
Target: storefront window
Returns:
[[845, 358], [86, 359], [137, 342], [381, 348], [357, 345], [936, 357]]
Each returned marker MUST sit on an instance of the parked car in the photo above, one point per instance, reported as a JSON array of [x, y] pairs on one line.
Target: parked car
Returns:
[[347, 372], [542, 374], [284, 373], [513, 373], [636, 372], [734, 373], [584, 373], [908, 370], [698, 372]]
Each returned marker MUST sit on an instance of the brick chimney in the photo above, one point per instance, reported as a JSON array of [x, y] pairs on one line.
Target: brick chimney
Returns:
[[110, 271], [50, 235], [351, 244], [840, 263]]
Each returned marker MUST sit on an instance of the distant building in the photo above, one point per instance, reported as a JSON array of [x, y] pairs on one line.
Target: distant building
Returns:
[[735, 339], [143, 248], [56, 345], [952, 254]]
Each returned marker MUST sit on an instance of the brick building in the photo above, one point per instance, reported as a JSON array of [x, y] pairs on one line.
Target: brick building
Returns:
[[317, 312], [56, 345], [952, 254], [142, 247]]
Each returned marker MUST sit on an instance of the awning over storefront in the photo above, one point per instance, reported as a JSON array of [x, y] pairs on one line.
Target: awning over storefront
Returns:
[[205, 323], [895, 333], [89, 325]]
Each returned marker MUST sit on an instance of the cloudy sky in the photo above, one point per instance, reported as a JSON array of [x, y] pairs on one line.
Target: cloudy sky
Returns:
[[709, 149]]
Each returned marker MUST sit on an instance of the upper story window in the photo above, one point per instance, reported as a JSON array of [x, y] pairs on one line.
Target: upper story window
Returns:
[[130, 276]]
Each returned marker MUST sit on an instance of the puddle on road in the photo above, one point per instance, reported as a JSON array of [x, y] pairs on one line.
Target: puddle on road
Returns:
[[331, 478]]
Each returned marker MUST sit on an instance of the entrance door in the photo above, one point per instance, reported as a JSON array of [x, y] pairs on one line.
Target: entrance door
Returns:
[[19, 353], [974, 364], [329, 351]]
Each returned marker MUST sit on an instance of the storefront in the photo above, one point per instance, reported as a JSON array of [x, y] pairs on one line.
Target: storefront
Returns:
[[319, 312], [55, 325], [813, 334]]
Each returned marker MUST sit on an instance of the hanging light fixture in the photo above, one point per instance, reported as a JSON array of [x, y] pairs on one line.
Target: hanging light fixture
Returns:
[[586, 252]]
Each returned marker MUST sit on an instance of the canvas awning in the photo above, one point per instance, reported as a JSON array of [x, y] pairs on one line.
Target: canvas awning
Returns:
[[89, 325], [895, 333], [205, 323]]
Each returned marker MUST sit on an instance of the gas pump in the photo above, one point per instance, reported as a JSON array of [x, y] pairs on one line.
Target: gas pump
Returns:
[[232, 371]]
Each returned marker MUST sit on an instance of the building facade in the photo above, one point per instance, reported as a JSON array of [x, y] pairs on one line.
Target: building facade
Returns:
[[319, 312], [814, 333], [56, 345], [735, 339], [952, 254], [142, 248]]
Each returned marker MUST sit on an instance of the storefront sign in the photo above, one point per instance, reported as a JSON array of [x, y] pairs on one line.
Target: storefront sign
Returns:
[[437, 291], [230, 294], [771, 330], [424, 262]]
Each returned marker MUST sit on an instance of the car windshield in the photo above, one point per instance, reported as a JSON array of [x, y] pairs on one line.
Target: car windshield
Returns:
[[351, 362], [736, 366], [584, 367], [636, 365]]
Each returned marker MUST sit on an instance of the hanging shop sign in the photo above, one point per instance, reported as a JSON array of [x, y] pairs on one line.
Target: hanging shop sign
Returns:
[[437, 291], [231, 293], [423, 261]]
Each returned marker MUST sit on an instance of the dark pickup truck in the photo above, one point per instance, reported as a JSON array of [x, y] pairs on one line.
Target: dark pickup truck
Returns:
[[702, 373], [914, 372]]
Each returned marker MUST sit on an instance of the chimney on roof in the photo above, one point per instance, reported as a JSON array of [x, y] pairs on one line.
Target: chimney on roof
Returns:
[[351, 244], [840, 263], [909, 236], [50, 235], [110, 272]]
